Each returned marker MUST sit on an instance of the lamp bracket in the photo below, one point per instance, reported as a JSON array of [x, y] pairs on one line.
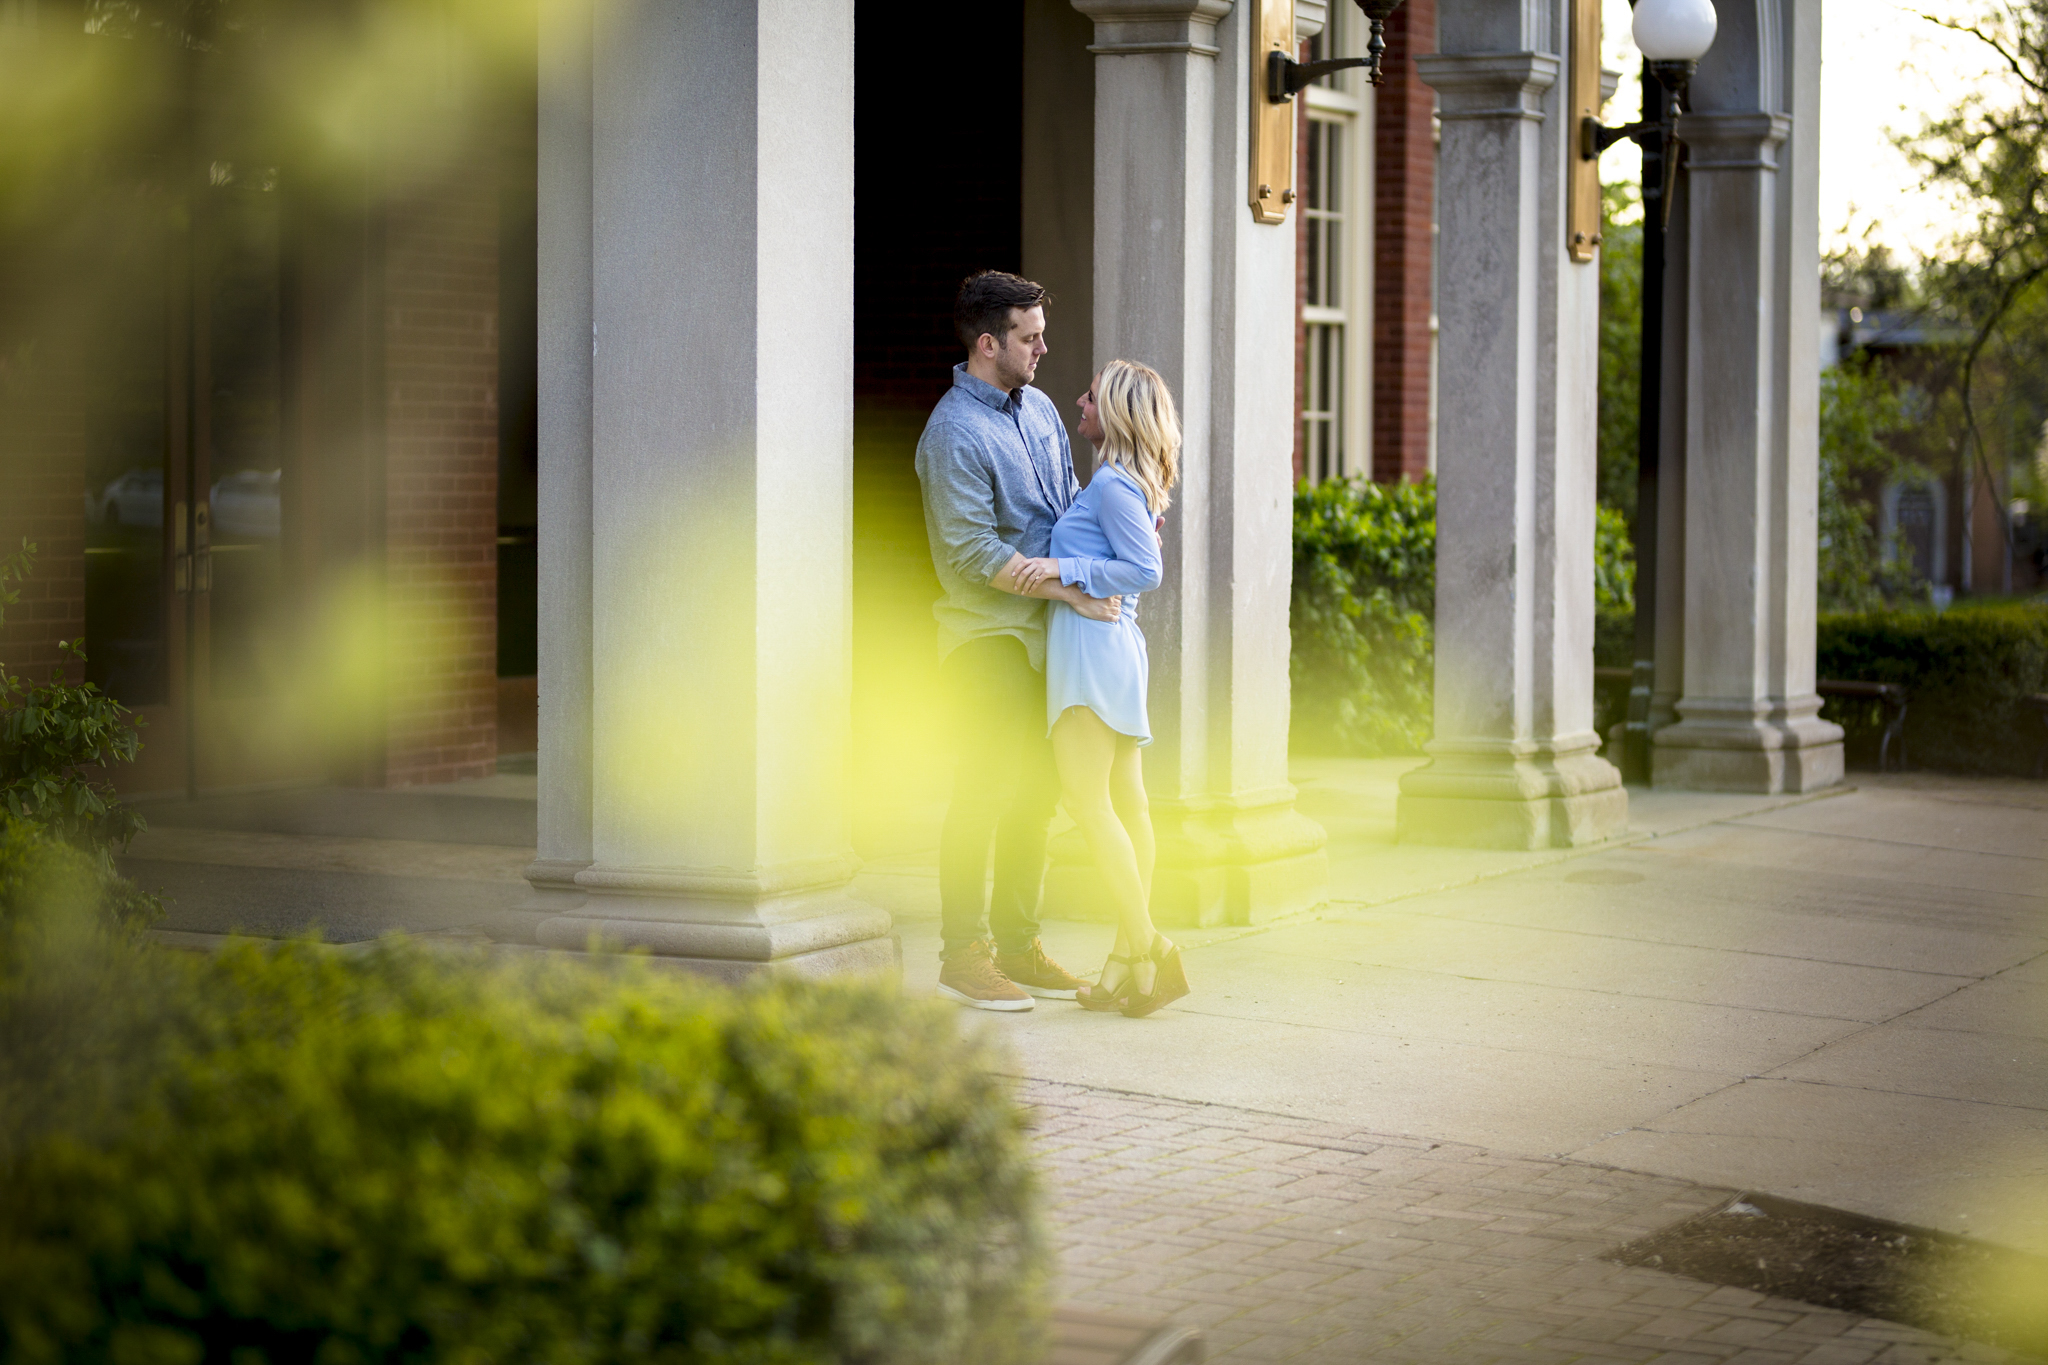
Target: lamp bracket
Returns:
[[1286, 77], [1596, 137]]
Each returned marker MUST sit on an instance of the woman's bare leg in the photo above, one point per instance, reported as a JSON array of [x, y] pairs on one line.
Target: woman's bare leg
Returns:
[[1087, 753], [1127, 794]]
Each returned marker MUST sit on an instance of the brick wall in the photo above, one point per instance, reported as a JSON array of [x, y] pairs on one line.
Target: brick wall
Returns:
[[441, 479], [1403, 209], [42, 498]]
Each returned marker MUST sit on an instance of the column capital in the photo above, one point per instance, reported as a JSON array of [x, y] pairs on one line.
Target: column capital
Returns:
[[1490, 85], [1733, 142], [1125, 27]]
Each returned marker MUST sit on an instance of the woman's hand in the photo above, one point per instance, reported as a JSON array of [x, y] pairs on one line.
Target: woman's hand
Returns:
[[1032, 572]]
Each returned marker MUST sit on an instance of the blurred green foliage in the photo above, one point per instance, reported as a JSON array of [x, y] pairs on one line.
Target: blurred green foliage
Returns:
[[1362, 666], [1860, 410], [57, 740], [1621, 344], [1614, 561], [295, 1154], [1989, 151], [48, 886], [1964, 670], [1363, 601]]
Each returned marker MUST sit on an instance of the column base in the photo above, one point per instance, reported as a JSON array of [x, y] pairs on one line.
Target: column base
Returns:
[[730, 927], [1221, 861], [1512, 797], [1742, 747]]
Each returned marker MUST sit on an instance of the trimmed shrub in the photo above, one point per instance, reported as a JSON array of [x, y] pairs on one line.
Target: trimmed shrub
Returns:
[[1363, 661], [1964, 671], [1363, 598], [313, 1156], [1614, 637], [49, 886]]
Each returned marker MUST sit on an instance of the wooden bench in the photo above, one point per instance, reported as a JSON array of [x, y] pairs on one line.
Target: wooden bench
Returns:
[[1891, 747], [1084, 1336], [2038, 704]]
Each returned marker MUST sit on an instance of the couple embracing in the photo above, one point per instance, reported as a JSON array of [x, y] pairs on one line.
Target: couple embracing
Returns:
[[1042, 657]]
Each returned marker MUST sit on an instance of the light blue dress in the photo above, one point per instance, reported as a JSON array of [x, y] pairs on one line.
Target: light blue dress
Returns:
[[1105, 546]]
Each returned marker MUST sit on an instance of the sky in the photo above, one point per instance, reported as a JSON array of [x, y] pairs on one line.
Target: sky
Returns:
[[1882, 67]]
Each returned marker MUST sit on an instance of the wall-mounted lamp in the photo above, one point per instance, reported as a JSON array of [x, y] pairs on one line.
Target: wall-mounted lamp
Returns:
[[1276, 79], [1673, 35], [1286, 77]]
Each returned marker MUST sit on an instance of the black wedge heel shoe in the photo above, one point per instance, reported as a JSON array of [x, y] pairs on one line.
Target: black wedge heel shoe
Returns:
[[1109, 1001], [1169, 980]]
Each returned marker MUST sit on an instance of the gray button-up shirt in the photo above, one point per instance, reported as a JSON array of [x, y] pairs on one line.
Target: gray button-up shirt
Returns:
[[997, 472]]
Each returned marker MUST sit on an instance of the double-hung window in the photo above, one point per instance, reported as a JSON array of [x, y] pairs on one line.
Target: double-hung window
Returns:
[[1336, 209]]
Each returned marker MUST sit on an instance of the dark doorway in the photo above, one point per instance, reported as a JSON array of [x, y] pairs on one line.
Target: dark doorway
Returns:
[[518, 425], [938, 149]]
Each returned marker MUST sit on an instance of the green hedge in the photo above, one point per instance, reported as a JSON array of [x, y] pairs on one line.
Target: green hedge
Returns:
[[1362, 667], [1964, 671], [310, 1156], [1614, 637], [1363, 599]]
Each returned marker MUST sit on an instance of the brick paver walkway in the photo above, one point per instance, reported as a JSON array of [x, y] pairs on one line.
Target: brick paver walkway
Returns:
[[1290, 1240]]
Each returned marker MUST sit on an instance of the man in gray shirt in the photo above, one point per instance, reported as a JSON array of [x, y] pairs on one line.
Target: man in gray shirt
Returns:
[[997, 471]]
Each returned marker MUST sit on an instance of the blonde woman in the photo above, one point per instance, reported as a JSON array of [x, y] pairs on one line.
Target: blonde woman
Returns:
[[1107, 544]]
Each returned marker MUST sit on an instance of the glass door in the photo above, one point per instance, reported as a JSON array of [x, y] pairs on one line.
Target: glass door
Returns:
[[189, 605], [133, 439], [240, 621]]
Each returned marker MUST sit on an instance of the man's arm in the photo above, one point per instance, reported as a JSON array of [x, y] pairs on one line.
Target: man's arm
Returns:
[[1008, 579], [961, 501]]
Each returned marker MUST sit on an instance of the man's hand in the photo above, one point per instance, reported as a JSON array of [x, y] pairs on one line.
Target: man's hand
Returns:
[[1096, 608], [1041, 578]]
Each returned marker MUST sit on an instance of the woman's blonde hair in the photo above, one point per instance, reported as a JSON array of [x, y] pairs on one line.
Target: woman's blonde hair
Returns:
[[1140, 428]]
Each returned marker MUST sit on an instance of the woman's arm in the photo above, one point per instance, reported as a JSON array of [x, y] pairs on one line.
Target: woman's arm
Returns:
[[1128, 525]]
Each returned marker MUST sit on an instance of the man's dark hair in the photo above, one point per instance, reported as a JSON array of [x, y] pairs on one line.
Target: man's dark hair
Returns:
[[984, 303]]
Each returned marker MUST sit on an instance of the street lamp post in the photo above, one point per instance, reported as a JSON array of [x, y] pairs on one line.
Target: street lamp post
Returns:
[[1672, 35]]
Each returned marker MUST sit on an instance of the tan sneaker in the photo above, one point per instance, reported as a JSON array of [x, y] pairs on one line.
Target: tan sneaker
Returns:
[[1039, 974], [969, 977]]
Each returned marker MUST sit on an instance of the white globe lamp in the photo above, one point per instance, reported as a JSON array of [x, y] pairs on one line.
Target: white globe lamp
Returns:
[[1674, 30], [1673, 35]]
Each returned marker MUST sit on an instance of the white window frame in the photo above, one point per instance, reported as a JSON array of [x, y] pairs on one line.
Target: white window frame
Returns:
[[1347, 99]]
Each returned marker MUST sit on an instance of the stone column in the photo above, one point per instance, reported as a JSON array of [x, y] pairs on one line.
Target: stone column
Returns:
[[1749, 714], [1515, 762], [565, 223], [720, 439], [1186, 282]]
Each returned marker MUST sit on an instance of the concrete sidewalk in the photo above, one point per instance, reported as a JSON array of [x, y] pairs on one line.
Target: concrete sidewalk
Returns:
[[1498, 1064], [1842, 1000]]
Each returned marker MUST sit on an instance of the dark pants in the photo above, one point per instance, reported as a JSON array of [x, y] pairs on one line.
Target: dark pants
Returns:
[[1004, 789]]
